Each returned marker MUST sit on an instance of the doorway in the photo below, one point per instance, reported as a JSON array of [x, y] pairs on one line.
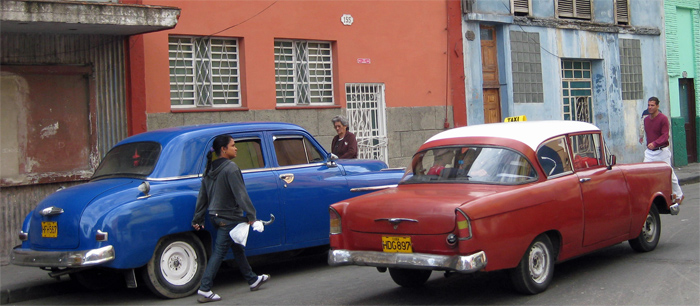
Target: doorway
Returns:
[[489, 68], [686, 89]]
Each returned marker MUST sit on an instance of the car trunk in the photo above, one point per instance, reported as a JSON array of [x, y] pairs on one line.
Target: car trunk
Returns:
[[63, 229], [432, 206]]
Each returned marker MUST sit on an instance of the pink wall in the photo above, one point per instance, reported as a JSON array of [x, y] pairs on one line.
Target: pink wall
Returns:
[[405, 41]]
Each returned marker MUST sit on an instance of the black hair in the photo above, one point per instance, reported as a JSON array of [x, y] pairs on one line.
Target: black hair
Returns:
[[655, 99], [220, 141]]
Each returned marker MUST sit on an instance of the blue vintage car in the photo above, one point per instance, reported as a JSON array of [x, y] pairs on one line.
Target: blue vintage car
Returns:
[[134, 216]]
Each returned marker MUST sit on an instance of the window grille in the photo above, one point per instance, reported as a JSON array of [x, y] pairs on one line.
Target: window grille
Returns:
[[622, 11], [303, 72], [579, 9], [631, 69], [521, 7], [526, 67], [203, 72], [576, 90], [366, 111]]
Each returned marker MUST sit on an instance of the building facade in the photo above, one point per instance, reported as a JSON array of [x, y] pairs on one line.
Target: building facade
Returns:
[[386, 65], [682, 19], [64, 95], [588, 60]]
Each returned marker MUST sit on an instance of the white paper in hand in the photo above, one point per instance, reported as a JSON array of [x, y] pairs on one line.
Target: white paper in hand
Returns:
[[258, 226], [239, 234]]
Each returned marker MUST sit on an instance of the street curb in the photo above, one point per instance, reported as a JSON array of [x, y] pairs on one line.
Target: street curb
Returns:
[[689, 180], [11, 296]]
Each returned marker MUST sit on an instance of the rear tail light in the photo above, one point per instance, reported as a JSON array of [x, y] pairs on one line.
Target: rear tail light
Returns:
[[464, 227], [101, 236], [23, 236], [335, 221]]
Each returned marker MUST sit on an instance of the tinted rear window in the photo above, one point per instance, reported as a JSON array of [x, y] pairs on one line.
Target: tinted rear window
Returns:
[[129, 160]]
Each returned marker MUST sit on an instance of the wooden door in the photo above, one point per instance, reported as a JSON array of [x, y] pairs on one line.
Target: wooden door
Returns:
[[489, 68]]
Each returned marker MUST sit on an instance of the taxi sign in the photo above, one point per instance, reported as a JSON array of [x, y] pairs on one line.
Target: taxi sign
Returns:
[[515, 119]]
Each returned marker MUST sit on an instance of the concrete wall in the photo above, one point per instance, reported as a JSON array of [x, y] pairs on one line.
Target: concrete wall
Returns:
[[596, 41], [407, 127]]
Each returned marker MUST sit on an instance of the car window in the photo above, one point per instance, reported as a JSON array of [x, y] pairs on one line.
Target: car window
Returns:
[[586, 151], [553, 157], [493, 165], [295, 150], [249, 155], [129, 160]]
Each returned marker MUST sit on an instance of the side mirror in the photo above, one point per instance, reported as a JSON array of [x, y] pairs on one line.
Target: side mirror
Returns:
[[612, 160], [331, 160]]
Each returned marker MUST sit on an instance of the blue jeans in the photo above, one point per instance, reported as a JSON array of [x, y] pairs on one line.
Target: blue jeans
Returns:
[[221, 246]]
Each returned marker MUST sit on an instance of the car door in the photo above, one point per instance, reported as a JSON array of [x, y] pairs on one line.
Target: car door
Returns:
[[309, 186], [604, 191], [263, 189]]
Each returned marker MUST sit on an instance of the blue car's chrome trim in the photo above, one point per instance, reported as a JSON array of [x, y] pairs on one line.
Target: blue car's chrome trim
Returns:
[[27, 257], [372, 188], [463, 264], [173, 178]]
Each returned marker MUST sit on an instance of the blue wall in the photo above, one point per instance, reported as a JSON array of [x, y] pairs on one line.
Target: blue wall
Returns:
[[619, 120]]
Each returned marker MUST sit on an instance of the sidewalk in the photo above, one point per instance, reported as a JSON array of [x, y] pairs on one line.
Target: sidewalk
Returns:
[[24, 283]]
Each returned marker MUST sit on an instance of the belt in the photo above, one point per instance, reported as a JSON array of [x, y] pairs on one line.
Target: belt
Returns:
[[658, 148]]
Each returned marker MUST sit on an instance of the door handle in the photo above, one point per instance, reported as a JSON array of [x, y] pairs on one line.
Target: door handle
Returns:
[[583, 180], [288, 178]]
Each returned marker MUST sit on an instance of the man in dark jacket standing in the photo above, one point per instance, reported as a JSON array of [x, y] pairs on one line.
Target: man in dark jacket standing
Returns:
[[224, 195]]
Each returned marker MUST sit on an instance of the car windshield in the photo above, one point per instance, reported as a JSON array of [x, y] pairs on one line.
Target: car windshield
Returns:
[[129, 160], [470, 164]]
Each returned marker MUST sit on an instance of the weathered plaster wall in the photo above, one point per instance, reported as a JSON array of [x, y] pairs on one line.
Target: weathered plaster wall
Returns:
[[596, 41]]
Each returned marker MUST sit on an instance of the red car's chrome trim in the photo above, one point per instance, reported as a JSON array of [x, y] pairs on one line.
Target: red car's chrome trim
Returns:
[[463, 264]]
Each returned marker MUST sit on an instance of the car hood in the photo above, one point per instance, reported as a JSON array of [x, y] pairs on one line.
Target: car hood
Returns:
[[73, 201], [432, 206]]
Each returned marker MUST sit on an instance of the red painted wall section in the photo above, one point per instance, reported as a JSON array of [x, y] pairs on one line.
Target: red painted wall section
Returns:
[[406, 42]]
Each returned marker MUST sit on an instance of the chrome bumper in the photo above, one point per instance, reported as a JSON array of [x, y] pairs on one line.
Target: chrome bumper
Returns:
[[674, 209], [27, 257], [464, 264]]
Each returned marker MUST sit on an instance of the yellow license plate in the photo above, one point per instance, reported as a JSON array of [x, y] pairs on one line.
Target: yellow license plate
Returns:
[[392, 244], [49, 229]]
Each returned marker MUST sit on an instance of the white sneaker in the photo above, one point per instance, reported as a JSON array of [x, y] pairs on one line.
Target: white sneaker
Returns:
[[208, 296], [261, 280]]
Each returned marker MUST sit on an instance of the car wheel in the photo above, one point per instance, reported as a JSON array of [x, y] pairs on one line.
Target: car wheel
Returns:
[[535, 270], [409, 278], [648, 238], [97, 279], [177, 266]]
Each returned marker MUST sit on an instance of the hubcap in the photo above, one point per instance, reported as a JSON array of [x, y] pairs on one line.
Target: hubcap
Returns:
[[649, 230], [539, 262], [178, 264]]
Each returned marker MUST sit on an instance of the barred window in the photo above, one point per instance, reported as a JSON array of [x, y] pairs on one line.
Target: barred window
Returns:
[[579, 9], [204, 72], [303, 72], [527, 67], [631, 69]]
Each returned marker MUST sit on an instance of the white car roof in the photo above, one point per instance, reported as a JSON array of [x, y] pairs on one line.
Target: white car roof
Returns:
[[532, 133]]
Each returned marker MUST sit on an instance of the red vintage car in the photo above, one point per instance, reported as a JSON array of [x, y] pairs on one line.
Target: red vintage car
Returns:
[[518, 196]]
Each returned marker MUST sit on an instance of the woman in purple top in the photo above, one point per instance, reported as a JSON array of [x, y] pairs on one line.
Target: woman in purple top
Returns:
[[344, 144]]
